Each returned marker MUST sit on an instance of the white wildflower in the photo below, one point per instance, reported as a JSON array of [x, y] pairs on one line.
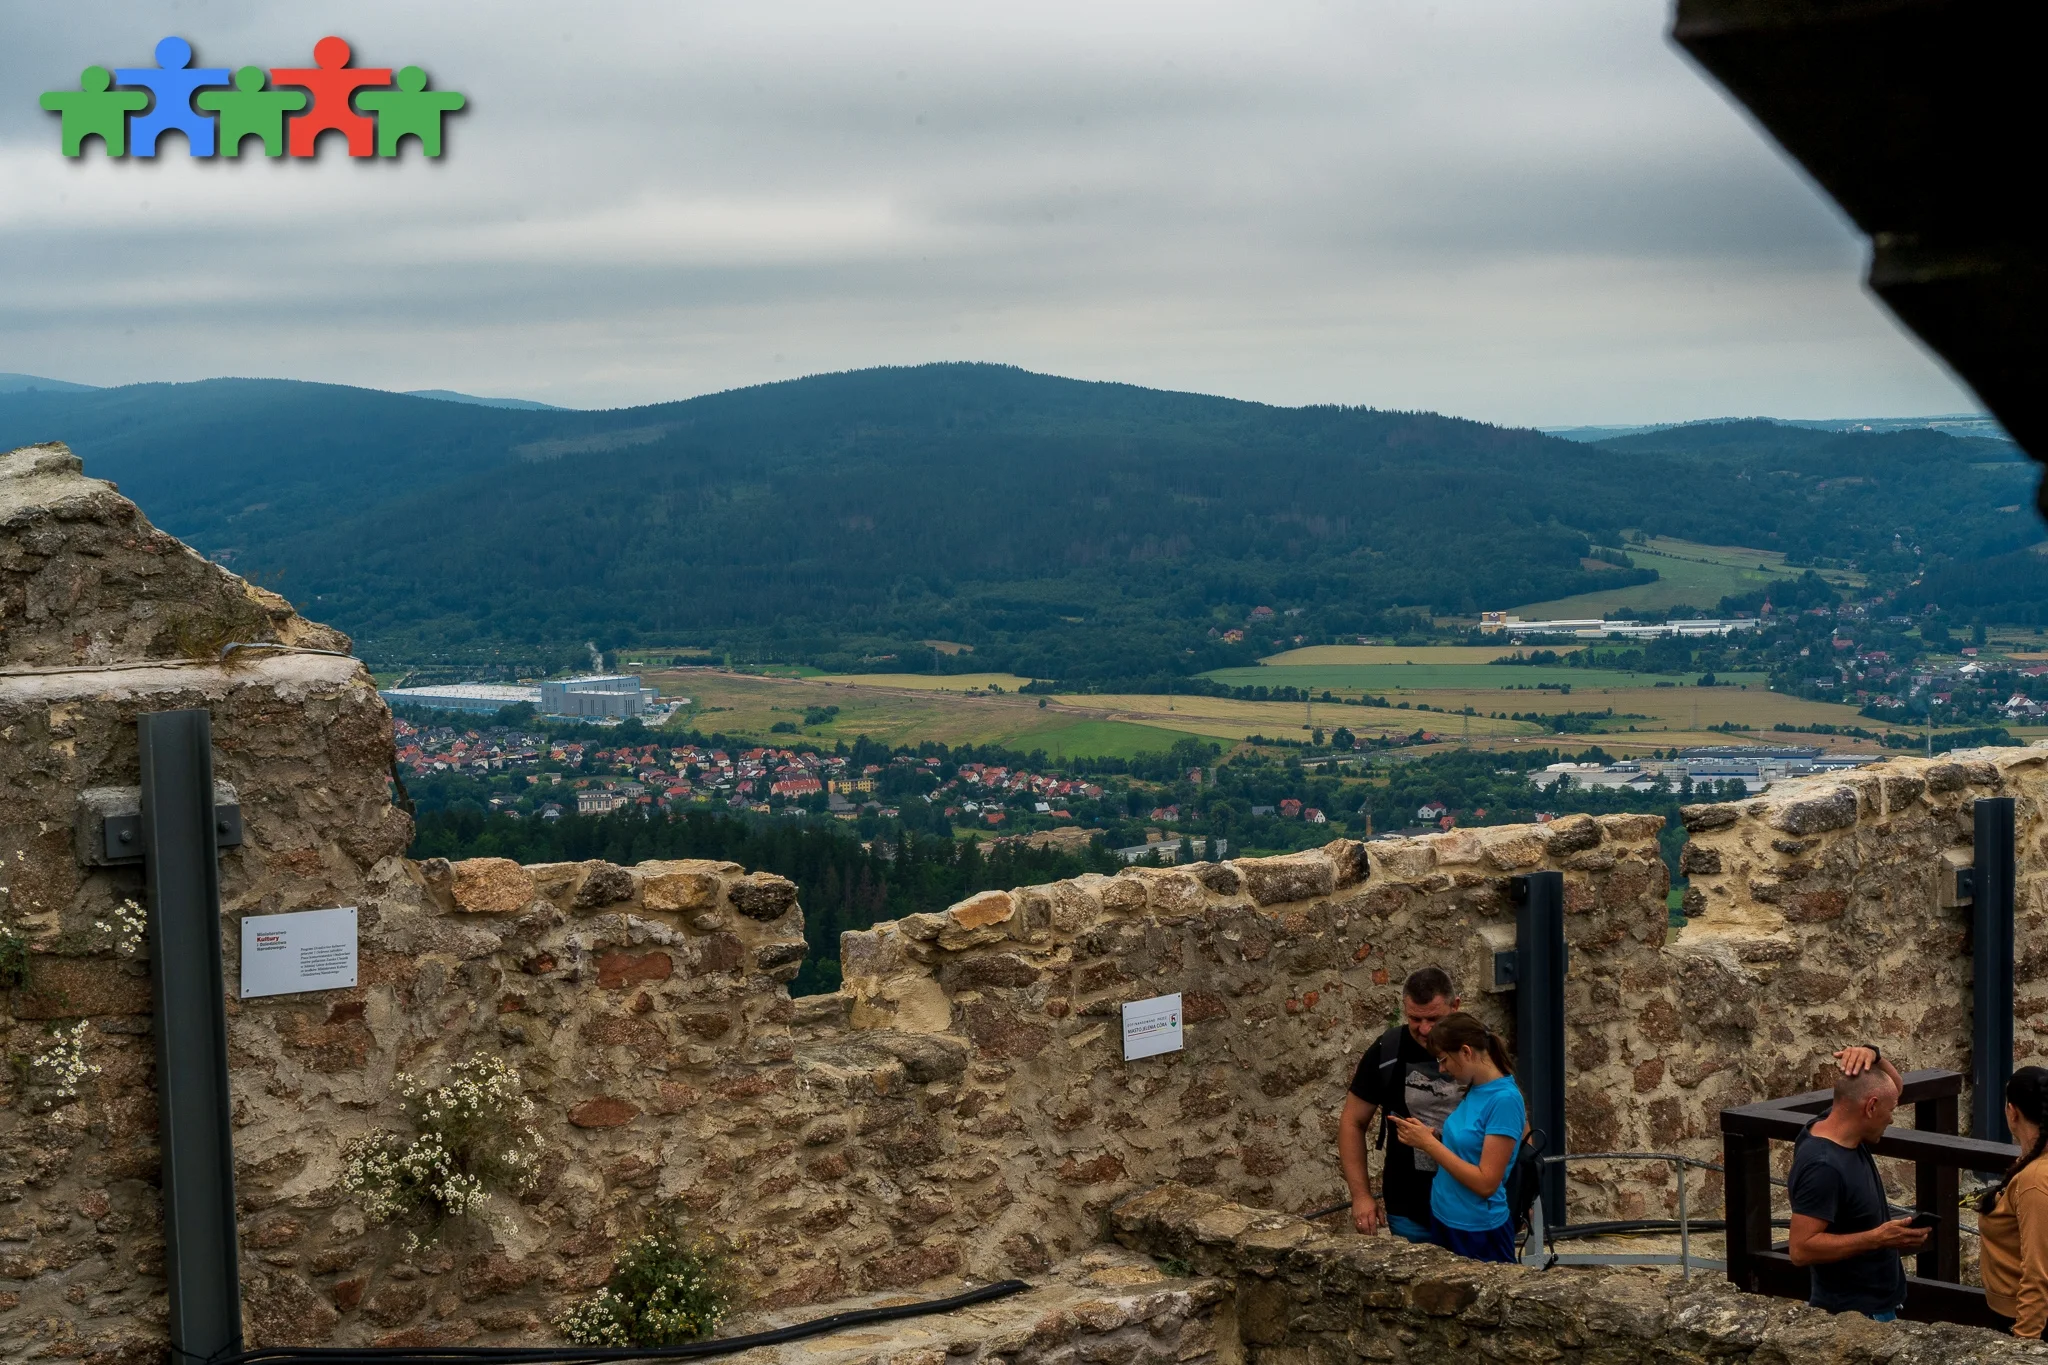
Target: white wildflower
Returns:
[[129, 927], [65, 1061]]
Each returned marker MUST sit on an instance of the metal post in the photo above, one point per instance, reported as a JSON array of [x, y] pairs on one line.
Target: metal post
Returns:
[[1684, 1230], [1746, 1177], [1991, 915], [183, 875], [1936, 1190], [1534, 1252], [1539, 1024]]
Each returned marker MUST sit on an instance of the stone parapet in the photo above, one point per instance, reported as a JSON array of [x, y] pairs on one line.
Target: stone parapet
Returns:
[[1303, 1294], [85, 579], [1109, 1305]]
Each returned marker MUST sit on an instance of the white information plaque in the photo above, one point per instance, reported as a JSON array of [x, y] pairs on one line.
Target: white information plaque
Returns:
[[312, 950], [1151, 1027]]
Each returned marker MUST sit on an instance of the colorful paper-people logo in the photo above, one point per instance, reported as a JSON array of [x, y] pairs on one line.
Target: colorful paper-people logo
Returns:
[[286, 108]]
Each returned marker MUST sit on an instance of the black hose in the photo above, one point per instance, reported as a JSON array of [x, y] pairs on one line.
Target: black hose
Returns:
[[1613, 1228], [590, 1355], [1625, 1227]]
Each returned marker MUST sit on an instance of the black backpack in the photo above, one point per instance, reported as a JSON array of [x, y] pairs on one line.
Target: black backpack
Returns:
[[1389, 1045], [1525, 1178]]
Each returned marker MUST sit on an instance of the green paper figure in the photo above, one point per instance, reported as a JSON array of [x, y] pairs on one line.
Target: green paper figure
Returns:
[[250, 110], [94, 109], [409, 109]]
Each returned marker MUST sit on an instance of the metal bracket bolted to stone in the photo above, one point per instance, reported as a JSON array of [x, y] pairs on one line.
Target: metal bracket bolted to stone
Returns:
[[107, 828]]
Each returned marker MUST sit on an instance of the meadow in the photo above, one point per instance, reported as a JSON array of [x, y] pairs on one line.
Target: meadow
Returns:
[[910, 711], [1406, 677], [1688, 575], [750, 706], [1350, 655]]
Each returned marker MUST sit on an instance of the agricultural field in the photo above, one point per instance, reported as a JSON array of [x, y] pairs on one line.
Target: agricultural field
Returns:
[[1226, 719], [926, 682], [912, 709], [1389, 678], [1352, 655], [750, 706], [1688, 575]]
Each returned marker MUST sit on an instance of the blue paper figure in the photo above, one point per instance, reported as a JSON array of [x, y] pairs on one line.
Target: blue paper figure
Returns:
[[173, 85]]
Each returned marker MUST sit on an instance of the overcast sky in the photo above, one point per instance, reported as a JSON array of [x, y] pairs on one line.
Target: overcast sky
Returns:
[[1531, 213]]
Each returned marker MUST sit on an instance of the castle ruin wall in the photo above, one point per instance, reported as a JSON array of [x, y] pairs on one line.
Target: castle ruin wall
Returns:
[[959, 1108]]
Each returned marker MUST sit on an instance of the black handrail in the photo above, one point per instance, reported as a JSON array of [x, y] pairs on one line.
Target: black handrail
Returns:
[[1939, 1156]]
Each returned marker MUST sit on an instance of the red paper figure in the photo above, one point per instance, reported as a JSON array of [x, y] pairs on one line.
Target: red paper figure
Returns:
[[331, 85]]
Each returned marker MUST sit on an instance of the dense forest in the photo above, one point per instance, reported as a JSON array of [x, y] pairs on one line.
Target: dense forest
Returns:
[[1094, 533]]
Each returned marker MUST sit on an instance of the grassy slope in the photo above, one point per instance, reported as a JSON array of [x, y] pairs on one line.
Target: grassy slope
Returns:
[[1354, 678], [1688, 575], [1398, 654]]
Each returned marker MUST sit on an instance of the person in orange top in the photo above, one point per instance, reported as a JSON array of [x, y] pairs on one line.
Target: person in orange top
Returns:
[[2012, 1219]]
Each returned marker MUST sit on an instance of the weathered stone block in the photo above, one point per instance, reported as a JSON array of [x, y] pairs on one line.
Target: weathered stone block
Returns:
[[1294, 877], [683, 888], [1171, 893], [926, 1058], [770, 956], [1077, 903], [1699, 819], [490, 886], [1570, 834], [1817, 814], [762, 896], [1123, 894], [1632, 827], [1699, 860], [1348, 860], [616, 971], [603, 884], [982, 910], [603, 1111]]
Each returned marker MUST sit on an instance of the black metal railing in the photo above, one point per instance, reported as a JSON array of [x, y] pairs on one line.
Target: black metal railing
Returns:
[[1939, 1157]]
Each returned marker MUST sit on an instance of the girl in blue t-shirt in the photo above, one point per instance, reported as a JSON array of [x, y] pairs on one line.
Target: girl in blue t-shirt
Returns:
[[1468, 1199]]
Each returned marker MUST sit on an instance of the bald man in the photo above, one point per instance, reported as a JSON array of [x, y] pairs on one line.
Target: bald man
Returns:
[[1842, 1226]]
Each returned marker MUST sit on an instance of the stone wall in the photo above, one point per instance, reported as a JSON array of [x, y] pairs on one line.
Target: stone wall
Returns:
[[960, 1108], [1819, 914], [1304, 1295]]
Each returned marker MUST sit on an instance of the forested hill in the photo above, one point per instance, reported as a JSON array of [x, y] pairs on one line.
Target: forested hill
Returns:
[[1066, 529]]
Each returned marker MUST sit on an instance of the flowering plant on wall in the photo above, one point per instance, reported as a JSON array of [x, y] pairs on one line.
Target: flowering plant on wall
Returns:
[[474, 1136], [64, 1064], [670, 1285]]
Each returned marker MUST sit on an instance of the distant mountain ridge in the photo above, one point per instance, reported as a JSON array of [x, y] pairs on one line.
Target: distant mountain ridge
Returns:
[[20, 383], [451, 396], [1951, 423], [24, 383], [1066, 529]]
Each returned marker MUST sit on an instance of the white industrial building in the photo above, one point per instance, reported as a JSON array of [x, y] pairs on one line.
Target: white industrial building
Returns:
[[483, 698], [1589, 628], [600, 695]]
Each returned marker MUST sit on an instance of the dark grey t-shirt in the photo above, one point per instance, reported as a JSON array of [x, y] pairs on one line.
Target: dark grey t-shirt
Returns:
[[1408, 1083], [1841, 1187]]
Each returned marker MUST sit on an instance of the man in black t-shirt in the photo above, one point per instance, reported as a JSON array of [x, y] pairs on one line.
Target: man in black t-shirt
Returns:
[[1397, 1075], [1842, 1226]]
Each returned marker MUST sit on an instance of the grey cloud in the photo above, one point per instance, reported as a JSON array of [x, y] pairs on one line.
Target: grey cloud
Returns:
[[1525, 213]]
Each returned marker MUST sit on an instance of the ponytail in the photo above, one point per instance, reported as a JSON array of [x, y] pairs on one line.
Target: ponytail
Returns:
[[2027, 1092], [1455, 1032]]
